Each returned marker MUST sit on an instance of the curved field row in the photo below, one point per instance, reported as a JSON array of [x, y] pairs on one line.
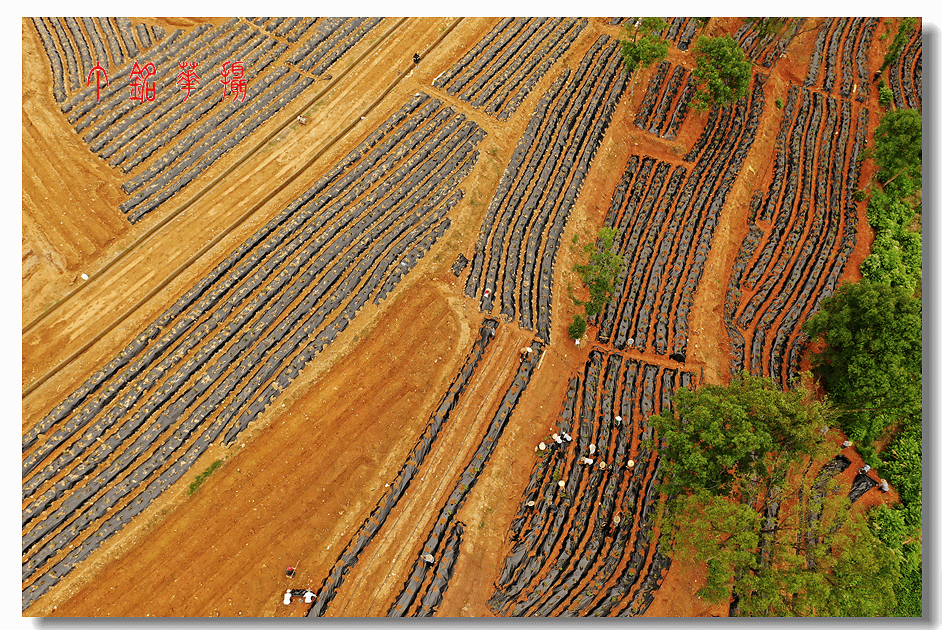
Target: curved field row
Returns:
[[224, 352], [583, 538], [905, 74], [370, 528], [75, 45], [515, 253], [666, 215], [680, 30], [802, 230], [421, 579], [662, 112], [842, 48], [767, 49], [502, 69]]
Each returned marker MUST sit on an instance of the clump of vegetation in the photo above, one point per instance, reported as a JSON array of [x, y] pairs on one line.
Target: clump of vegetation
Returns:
[[895, 207], [731, 452], [906, 25], [604, 267], [722, 74], [578, 327], [647, 49], [203, 476]]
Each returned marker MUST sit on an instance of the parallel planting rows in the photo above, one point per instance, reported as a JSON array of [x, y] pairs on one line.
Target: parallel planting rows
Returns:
[[583, 541], [666, 101], [224, 351], [840, 61], [905, 74], [514, 258], [666, 215], [502, 69], [167, 135], [76, 45], [767, 49], [802, 229], [370, 528], [424, 588], [680, 31]]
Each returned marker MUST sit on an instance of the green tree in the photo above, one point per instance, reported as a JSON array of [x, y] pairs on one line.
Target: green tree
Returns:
[[898, 146], [648, 49], [871, 365], [722, 74], [604, 267], [577, 328], [716, 439]]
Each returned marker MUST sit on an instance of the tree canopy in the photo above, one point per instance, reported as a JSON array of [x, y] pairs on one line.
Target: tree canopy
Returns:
[[646, 50], [722, 74], [871, 365], [717, 438], [605, 266], [898, 145]]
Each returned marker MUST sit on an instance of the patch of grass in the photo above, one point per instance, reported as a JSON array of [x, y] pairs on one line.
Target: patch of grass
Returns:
[[203, 476]]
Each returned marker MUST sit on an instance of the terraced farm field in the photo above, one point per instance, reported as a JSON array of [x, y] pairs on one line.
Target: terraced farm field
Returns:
[[311, 311]]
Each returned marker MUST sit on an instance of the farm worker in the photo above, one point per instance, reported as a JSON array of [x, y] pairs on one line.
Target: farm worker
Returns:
[[287, 597], [884, 485], [308, 596], [865, 469], [846, 443], [631, 463]]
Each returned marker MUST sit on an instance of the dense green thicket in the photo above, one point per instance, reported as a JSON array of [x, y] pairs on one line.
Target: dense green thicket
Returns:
[[732, 451], [871, 365], [895, 209]]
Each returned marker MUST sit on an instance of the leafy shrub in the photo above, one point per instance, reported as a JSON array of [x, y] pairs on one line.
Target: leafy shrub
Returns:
[[903, 465], [886, 97], [577, 328]]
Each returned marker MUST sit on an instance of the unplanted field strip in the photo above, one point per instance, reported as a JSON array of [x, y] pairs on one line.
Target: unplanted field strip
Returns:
[[356, 119]]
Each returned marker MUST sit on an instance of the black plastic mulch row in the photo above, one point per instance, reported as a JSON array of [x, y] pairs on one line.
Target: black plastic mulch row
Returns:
[[599, 558], [413, 237], [116, 102], [223, 140], [468, 477], [159, 129], [238, 265], [144, 119], [810, 271], [87, 99], [377, 518], [656, 291], [557, 156], [505, 65]]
